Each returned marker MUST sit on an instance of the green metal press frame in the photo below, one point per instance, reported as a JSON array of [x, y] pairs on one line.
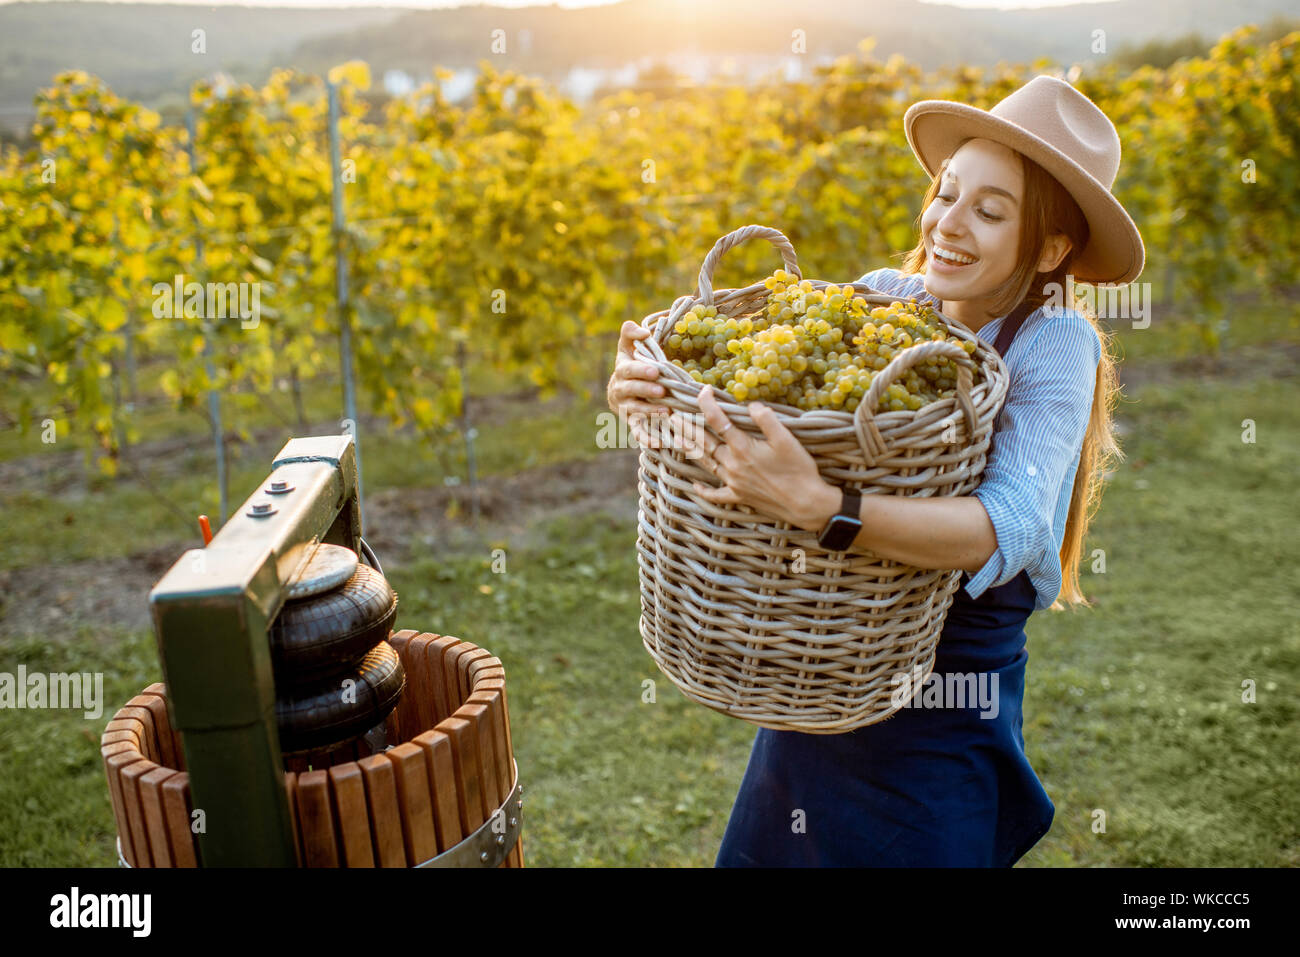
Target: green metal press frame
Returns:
[[211, 613]]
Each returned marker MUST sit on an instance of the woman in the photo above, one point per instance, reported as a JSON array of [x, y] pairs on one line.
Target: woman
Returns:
[[1021, 201]]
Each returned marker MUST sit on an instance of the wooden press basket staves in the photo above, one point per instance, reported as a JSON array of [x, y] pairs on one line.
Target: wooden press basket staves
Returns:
[[725, 616]]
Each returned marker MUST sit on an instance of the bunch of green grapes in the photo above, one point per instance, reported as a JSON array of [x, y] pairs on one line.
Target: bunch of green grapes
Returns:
[[814, 349]]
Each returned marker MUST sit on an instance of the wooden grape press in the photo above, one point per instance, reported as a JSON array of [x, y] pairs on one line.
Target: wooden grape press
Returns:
[[294, 727]]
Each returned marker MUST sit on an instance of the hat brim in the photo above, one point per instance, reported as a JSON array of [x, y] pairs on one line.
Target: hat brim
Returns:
[[1114, 255]]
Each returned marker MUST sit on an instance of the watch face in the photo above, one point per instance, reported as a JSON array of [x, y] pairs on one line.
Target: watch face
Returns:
[[840, 533]]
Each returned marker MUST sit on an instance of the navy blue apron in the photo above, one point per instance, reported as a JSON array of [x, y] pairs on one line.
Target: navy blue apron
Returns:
[[926, 787]]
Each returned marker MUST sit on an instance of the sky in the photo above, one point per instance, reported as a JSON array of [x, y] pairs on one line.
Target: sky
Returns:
[[429, 4]]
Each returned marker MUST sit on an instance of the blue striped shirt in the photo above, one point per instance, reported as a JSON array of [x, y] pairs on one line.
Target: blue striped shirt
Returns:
[[1037, 437]]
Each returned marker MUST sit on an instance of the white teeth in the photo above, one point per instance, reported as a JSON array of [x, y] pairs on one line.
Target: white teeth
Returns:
[[952, 257]]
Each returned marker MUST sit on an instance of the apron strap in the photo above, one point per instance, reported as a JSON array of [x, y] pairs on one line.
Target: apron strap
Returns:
[[1010, 326]]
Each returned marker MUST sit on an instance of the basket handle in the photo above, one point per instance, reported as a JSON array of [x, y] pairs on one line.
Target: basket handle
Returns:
[[864, 418], [704, 292]]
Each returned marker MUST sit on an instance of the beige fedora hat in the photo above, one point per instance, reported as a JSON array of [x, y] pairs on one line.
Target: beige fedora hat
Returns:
[[1065, 133]]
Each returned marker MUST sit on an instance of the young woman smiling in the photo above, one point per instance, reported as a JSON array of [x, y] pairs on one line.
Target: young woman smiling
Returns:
[[1019, 200]]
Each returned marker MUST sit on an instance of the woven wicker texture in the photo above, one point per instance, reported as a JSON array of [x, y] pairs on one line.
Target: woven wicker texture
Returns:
[[750, 616]]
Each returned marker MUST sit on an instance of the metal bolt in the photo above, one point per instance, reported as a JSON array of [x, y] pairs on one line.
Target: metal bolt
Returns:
[[501, 838], [279, 485], [520, 803], [483, 857], [514, 821], [261, 507]]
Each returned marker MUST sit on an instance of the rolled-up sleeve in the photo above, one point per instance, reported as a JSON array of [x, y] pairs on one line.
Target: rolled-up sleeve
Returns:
[[1037, 440]]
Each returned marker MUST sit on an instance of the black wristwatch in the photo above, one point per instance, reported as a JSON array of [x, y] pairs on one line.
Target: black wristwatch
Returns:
[[844, 525]]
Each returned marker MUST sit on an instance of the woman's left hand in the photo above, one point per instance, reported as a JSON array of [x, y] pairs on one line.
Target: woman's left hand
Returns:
[[776, 477]]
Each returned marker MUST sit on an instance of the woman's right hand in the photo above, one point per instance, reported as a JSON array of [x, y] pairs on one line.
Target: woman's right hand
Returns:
[[632, 391]]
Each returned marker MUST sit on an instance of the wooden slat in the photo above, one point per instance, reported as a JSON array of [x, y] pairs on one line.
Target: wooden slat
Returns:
[[316, 820], [491, 661], [145, 717], [441, 683], [393, 725], [155, 819], [291, 792], [418, 829], [157, 705], [176, 808], [381, 798], [500, 755], [451, 668], [354, 817], [464, 754], [406, 716], [463, 664], [413, 706], [499, 685], [118, 755], [132, 733], [178, 749], [480, 721], [442, 787], [131, 775], [398, 639]]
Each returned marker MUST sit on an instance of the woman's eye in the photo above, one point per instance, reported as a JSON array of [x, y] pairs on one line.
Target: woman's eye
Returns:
[[982, 211]]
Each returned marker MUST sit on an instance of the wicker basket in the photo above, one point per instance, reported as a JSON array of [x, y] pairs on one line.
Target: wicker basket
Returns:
[[725, 614]]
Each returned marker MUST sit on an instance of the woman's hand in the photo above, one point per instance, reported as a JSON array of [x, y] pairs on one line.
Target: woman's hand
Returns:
[[776, 477], [632, 388]]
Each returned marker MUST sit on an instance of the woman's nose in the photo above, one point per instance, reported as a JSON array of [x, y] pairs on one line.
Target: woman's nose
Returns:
[[952, 222]]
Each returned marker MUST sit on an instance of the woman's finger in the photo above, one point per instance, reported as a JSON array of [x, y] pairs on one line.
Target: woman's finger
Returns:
[[633, 387], [723, 495], [714, 415], [629, 334], [782, 439], [635, 369]]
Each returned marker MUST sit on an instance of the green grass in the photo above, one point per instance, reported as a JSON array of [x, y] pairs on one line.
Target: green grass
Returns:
[[1133, 706]]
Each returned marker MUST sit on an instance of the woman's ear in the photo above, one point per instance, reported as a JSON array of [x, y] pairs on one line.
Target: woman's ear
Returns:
[[1055, 248]]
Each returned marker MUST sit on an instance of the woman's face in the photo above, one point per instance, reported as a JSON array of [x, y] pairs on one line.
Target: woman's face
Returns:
[[976, 212]]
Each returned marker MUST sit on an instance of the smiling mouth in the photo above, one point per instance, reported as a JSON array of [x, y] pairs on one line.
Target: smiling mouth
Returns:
[[948, 260]]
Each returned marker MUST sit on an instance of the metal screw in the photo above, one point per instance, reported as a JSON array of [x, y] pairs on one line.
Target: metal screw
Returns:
[[483, 857], [501, 838], [262, 507], [279, 487], [514, 821]]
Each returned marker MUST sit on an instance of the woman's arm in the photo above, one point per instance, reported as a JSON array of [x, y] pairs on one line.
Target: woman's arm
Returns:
[[1002, 527], [943, 532]]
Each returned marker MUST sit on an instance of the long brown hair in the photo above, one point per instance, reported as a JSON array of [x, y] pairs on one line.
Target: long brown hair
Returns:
[[1048, 209]]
